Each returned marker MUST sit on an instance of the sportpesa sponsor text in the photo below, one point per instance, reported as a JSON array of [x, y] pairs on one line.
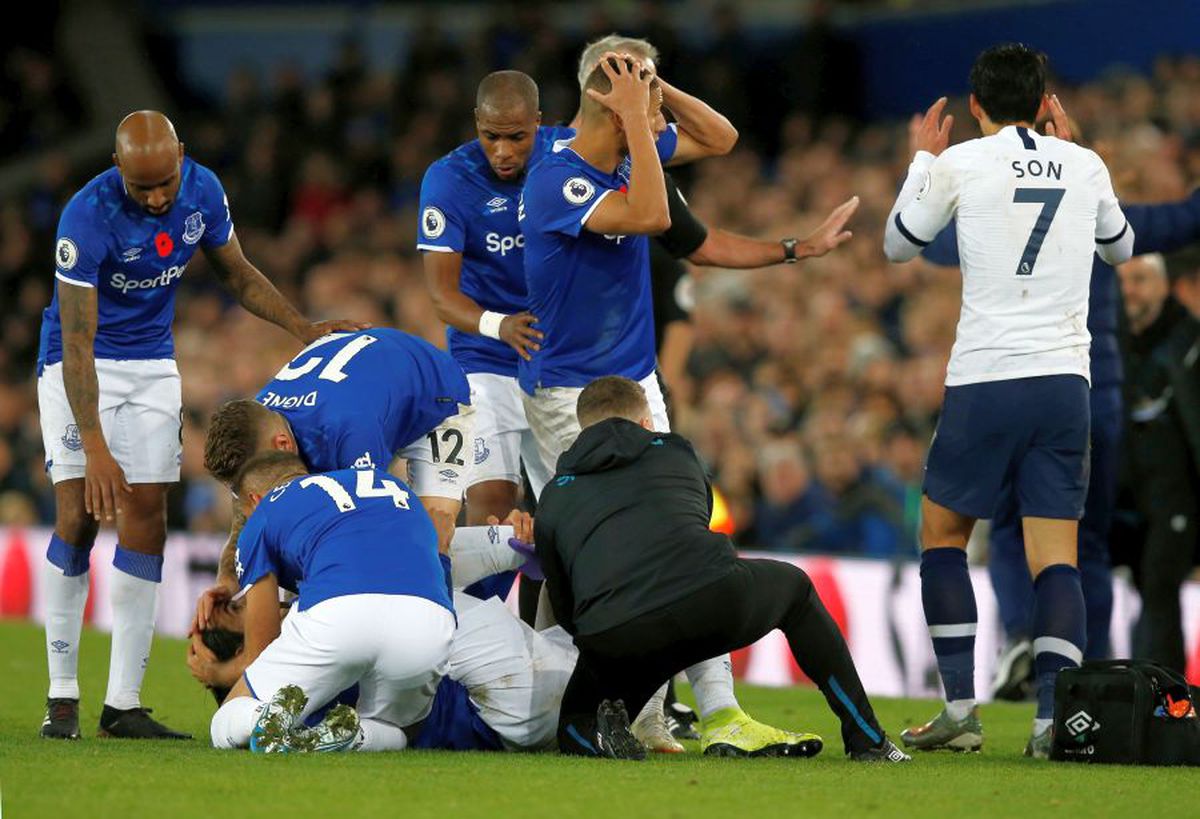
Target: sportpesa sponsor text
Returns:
[[126, 283]]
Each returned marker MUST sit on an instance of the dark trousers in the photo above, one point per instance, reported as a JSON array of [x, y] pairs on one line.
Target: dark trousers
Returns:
[[629, 662], [1164, 485], [1007, 563]]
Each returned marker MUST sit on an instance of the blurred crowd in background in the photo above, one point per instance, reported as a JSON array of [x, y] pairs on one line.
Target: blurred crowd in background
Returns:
[[812, 390]]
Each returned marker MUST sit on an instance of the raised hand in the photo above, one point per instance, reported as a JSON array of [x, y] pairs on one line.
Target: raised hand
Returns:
[[1059, 124], [830, 234], [933, 132]]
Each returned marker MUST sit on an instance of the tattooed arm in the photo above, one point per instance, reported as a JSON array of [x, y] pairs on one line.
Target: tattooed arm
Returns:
[[256, 293], [104, 480], [227, 581]]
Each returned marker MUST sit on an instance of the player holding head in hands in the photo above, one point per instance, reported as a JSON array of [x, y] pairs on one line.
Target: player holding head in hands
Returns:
[[586, 214], [109, 395], [1030, 210]]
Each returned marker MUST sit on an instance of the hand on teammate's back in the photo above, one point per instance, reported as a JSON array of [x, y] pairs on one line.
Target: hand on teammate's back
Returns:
[[630, 94], [830, 234], [517, 332], [103, 484], [932, 133], [323, 328]]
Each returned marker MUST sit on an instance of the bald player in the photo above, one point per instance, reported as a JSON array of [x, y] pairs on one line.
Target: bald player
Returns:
[[109, 396]]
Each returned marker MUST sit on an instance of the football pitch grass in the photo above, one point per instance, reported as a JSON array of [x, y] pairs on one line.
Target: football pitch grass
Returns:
[[98, 778]]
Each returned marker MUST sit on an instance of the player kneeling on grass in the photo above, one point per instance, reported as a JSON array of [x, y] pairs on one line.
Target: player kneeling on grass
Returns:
[[362, 553], [635, 575], [501, 692]]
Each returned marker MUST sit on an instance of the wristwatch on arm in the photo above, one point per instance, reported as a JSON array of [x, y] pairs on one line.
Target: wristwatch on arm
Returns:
[[789, 251]]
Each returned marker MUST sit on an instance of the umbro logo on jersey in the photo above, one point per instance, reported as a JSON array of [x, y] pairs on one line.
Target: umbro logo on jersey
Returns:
[[497, 205], [131, 255]]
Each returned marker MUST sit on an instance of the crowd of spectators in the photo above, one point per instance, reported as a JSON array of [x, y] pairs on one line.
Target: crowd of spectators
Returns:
[[812, 390]]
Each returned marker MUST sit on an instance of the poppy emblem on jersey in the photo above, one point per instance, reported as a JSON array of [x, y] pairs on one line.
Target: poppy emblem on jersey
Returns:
[[66, 254], [578, 190], [163, 244], [433, 222], [72, 440], [193, 228]]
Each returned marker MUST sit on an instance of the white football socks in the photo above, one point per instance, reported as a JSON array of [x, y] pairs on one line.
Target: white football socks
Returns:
[[477, 552], [234, 722], [377, 735], [959, 709], [653, 709], [66, 598], [133, 604], [712, 683]]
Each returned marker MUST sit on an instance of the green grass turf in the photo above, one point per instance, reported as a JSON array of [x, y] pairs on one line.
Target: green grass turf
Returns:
[[97, 778]]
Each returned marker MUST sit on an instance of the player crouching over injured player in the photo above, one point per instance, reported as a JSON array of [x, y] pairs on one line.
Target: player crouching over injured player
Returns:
[[635, 575], [362, 552]]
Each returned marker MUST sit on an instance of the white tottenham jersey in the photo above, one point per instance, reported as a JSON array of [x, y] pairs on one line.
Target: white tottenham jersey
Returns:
[[1030, 211]]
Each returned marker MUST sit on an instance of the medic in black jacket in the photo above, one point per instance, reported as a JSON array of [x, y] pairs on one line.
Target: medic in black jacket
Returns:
[[635, 575]]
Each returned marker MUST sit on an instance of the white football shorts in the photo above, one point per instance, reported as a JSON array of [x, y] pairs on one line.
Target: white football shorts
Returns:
[[338, 642], [439, 462], [140, 405], [551, 414], [503, 438], [516, 676]]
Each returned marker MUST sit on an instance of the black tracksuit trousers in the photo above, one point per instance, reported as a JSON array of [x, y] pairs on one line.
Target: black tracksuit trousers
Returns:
[[630, 661]]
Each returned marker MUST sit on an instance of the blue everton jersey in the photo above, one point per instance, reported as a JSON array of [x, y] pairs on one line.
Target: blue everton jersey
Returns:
[[134, 260], [355, 399], [467, 209], [590, 292], [353, 531]]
